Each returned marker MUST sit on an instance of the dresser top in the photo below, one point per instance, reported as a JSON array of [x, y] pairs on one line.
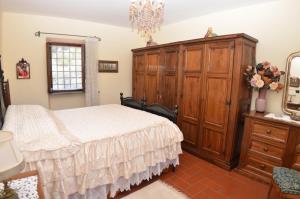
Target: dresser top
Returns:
[[254, 114]]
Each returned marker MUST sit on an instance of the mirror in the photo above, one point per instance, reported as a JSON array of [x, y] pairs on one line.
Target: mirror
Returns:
[[291, 96]]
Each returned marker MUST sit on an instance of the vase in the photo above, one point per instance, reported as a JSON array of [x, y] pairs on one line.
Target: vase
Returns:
[[261, 102]]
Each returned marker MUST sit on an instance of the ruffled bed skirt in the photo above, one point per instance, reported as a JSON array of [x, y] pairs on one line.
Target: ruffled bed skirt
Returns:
[[60, 182], [122, 184]]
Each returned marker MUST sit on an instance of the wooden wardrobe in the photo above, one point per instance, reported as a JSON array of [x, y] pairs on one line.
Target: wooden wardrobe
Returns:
[[204, 77]]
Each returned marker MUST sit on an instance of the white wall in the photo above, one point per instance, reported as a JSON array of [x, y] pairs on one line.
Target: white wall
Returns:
[[275, 24], [19, 41], [0, 32]]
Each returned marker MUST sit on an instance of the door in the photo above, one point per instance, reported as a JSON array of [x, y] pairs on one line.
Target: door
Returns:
[[169, 78], [138, 76], [217, 86], [152, 76], [190, 96]]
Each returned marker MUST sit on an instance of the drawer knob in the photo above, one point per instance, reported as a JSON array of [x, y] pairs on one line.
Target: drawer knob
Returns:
[[269, 131], [266, 149], [262, 166]]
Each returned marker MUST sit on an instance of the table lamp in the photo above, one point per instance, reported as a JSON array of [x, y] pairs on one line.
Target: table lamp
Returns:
[[11, 162]]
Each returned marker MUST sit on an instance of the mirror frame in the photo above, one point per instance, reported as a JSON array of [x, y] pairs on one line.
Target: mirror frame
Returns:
[[287, 80]]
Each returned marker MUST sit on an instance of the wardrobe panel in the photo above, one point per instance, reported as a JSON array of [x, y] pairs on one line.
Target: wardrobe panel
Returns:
[[220, 57], [139, 60], [169, 90], [169, 78], [138, 75], [191, 92], [153, 61], [152, 88], [191, 97], [139, 86], [213, 141], [216, 108], [152, 76], [191, 131], [171, 60], [193, 58]]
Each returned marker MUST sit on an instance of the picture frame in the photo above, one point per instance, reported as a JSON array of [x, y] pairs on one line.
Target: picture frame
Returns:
[[23, 69], [294, 82], [106, 66]]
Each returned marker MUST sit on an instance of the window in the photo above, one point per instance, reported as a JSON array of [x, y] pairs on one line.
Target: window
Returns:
[[65, 67]]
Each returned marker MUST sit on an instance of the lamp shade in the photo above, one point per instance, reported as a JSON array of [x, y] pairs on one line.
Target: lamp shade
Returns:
[[11, 160]]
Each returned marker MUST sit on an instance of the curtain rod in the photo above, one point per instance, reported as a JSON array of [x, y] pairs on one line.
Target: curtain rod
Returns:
[[39, 33]]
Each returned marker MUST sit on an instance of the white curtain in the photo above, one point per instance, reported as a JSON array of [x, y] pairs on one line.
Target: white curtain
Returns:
[[91, 83]]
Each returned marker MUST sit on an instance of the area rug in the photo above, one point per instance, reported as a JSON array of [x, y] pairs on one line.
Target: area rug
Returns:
[[157, 190]]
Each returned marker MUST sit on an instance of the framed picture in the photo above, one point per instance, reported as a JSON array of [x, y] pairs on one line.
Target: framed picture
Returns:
[[294, 82], [107, 66], [23, 69]]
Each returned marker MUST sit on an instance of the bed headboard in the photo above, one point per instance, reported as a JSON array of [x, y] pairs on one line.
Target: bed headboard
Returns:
[[156, 109], [4, 95]]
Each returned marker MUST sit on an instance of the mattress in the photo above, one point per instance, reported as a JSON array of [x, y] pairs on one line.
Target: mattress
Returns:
[[107, 147]]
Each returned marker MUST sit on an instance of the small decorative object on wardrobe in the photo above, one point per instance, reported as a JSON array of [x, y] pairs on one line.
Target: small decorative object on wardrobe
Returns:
[[150, 42], [23, 69], [266, 77], [210, 33]]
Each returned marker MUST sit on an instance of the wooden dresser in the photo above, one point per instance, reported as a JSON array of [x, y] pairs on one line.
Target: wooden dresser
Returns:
[[204, 77], [267, 143]]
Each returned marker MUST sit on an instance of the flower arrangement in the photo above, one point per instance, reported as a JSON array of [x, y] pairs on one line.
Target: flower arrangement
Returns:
[[266, 76]]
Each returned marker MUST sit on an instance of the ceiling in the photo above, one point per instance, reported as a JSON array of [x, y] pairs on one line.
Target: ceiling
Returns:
[[115, 12]]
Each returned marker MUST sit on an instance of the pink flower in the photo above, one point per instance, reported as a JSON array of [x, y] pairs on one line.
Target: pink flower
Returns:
[[273, 86], [257, 77], [277, 73], [260, 83], [253, 82], [266, 64], [274, 68], [249, 68]]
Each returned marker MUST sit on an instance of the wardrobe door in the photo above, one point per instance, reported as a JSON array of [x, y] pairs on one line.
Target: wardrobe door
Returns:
[[191, 94], [218, 77], [152, 76], [138, 76], [169, 78]]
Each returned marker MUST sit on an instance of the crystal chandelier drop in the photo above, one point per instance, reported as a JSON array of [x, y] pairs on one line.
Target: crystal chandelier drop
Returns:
[[146, 16]]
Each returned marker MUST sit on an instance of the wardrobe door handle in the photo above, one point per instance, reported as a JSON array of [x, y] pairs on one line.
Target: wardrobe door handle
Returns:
[[262, 166], [269, 131], [228, 103]]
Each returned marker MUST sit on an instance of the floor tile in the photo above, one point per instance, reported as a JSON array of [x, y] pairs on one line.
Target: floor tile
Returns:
[[200, 179]]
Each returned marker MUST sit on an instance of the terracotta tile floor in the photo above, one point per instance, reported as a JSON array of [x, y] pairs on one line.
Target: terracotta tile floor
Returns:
[[200, 179]]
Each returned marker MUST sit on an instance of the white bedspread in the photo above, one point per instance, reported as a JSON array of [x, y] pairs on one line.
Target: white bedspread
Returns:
[[107, 146], [98, 122]]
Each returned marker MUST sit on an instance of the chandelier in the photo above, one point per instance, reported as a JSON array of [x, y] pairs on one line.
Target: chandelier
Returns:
[[146, 16]]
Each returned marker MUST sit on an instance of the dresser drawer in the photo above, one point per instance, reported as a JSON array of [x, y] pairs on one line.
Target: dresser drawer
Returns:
[[267, 131], [259, 166], [268, 151]]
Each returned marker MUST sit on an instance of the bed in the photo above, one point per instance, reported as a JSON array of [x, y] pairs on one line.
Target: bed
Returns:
[[92, 152]]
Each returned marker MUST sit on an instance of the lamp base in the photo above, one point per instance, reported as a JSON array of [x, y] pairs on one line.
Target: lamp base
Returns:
[[8, 193]]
